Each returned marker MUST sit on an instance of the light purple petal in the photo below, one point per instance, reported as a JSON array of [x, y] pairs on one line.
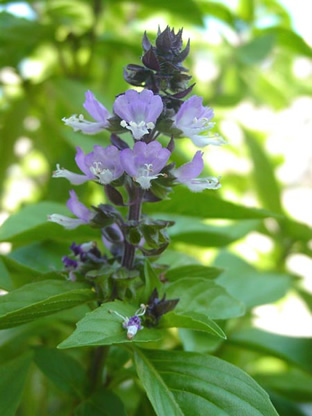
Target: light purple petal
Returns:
[[138, 107], [80, 160], [198, 185], [66, 222], [191, 169], [78, 209], [127, 159], [95, 108], [85, 126], [74, 178]]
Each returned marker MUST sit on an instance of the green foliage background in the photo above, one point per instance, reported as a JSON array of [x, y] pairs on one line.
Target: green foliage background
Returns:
[[47, 63]]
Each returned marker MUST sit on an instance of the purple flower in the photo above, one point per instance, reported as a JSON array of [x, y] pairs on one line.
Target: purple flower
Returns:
[[96, 110], [102, 165], [193, 119], [144, 162], [83, 214], [187, 174], [138, 111]]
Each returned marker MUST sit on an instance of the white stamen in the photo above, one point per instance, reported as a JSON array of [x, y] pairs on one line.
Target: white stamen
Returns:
[[66, 222], [138, 129], [146, 176], [105, 176], [73, 178]]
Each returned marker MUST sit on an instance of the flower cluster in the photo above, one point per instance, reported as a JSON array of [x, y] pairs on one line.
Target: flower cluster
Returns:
[[141, 171]]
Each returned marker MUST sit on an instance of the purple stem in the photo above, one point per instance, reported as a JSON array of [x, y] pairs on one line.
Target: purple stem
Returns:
[[133, 215]]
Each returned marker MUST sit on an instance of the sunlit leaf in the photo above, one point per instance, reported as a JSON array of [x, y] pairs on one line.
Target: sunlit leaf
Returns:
[[189, 384]]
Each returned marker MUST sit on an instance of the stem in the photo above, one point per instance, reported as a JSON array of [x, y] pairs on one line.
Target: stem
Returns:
[[95, 373], [133, 215]]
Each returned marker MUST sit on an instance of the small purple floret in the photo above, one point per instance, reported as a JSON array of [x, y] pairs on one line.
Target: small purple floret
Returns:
[[102, 165], [138, 111], [134, 321], [144, 162], [99, 113], [187, 175], [194, 120], [69, 263]]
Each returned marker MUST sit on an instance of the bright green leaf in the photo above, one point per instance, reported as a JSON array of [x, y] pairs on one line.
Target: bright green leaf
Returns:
[[205, 205], [204, 297], [101, 327], [266, 184], [249, 285], [296, 350], [191, 320], [193, 270]]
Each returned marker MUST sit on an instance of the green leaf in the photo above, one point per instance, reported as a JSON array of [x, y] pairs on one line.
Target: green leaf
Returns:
[[191, 320], [218, 10], [197, 341], [151, 281], [35, 300], [204, 297], [267, 187], [39, 257], [28, 218], [249, 285], [296, 350], [197, 233], [30, 224], [190, 384], [193, 270], [205, 205], [12, 379], [289, 40], [256, 50], [101, 327], [185, 9], [292, 384], [63, 370], [5, 280], [102, 403]]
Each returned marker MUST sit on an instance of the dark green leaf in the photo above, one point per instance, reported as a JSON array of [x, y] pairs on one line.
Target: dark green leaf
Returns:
[[61, 369], [12, 379], [102, 403], [35, 300], [190, 384], [5, 280]]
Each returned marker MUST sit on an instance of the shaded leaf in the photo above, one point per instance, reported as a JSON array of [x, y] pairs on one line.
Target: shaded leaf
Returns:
[[61, 369], [12, 379], [35, 300], [102, 403]]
